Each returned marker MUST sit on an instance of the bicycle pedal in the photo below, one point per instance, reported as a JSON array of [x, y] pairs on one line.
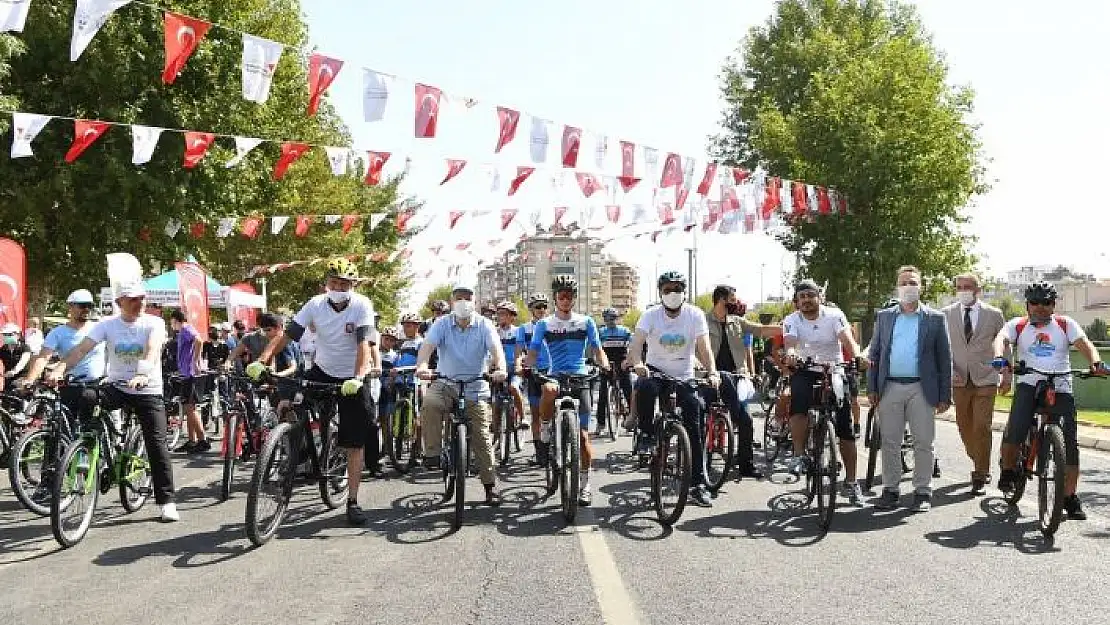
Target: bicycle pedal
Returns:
[[145, 491]]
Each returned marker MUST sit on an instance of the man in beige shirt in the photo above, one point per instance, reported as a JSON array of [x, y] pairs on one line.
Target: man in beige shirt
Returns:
[[973, 325]]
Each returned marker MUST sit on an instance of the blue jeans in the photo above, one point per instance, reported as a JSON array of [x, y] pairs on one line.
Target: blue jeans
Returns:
[[693, 419]]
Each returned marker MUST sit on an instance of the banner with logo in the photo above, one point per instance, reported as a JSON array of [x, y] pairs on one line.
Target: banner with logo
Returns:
[[13, 284]]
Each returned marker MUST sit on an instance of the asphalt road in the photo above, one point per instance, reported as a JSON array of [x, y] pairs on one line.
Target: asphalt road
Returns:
[[750, 558]]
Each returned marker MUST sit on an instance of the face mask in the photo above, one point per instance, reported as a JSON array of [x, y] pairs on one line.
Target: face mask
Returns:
[[464, 309], [338, 297], [967, 298], [673, 300], [909, 294], [10, 339]]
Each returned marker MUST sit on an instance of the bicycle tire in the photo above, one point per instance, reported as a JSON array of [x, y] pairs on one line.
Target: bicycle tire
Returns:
[[872, 441], [825, 466], [720, 441], [508, 426], [60, 501], [614, 409], [330, 467], [906, 453], [396, 435], [175, 427], [281, 434], [134, 496], [683, 466], [570, 457], [1052, 447], [459, 461], [37, 500], [1022, 476]]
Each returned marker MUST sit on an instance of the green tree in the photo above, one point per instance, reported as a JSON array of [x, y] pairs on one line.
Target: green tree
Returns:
[[69, 216], [1009, 306], [10, 47], [704, 302], [1097, 331], [778, 309], [441, 292], [631, 318], [851, 94]]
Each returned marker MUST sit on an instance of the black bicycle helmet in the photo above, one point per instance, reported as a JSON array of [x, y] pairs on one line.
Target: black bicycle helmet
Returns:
[[441, 306], [537, 298], [564, 283], [671, 277], [610, 313], [1040, 291], [892, 302]]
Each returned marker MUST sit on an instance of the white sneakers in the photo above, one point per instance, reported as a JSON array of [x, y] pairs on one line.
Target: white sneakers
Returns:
[[169, 513]]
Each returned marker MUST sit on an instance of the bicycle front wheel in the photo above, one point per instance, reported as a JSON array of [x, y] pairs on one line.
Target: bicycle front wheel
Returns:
[[398, 436], [720, 449], [671, 473], [570, 461], [825, 469], [458, 466], [135, 479], [272, 482], [1050, 487], [32, 465], [230, 448], [76, 490], [334, 486]]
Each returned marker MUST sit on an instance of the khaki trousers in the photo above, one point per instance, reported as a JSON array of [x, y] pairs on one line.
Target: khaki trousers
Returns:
[[974, 415], [439, 400]]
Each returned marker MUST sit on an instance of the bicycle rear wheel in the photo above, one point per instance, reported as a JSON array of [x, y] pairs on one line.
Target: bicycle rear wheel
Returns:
[[570, 460], [615, 410], [334, 486], [672, 462], [272, 480], [458, 466], [1050, 486], [873, 442], [508, 429], [720, 448], [230, 448], [1022, 476], [76, 491], [31, 469], [135, 479], [175, 424], [825, 469], [398, 436]]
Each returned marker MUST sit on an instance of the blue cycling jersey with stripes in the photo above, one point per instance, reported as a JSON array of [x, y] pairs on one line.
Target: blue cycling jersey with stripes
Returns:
[[567, 341]]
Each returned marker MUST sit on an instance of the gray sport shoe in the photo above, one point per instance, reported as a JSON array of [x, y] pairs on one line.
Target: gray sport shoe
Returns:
[[854, 494], [922, 502], [887, 501]]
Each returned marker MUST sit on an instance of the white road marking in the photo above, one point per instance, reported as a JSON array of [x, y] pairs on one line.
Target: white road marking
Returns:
[[617, 606]]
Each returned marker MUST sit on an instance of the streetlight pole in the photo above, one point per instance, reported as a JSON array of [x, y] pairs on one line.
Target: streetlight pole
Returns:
[[762, 294]]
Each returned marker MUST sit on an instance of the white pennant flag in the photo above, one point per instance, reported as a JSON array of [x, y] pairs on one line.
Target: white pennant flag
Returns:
[[601, 152], [260, 59], [226, 227], [277, 223], [494, 179], [26, 126], [540, 140], [13, 15], [786, 198], [376, 219], [332, 219], [338, 158], [651, 166], [243, 146], [143, 141], [375, 94], [173, 226], [88, 19]]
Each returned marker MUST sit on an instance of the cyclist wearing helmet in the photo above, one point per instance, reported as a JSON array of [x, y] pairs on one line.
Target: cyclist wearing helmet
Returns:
[[439, 308], [614, 341], [674, 332], [569, 337], [508, 331], [408, 344], [346, 353], [537, 307], [1043, 346], [61, 340]]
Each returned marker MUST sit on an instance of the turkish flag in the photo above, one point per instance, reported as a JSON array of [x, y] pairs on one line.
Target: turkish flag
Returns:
[[507, 215], [628, 160], [842, 203], [453, 218], [522, 174], [823, 204], [304, 222], [454, 166], [403, 218], [707, 179], [322, 71], [559, 212], [85, 133], [572, 140], [798, 197], [771, 196], [672, 171], [588, 183], [246, 314], [374, 167], [509, 120], [550, 253], [628, 183], [192, 284], [613, 212], [666, 214], [251, 227], [427, 111], [729, 199], [739, 174], [196, 146], [290, 152], [349, 222], [183, 34], [681, 194], [13, 277], [197, 229]]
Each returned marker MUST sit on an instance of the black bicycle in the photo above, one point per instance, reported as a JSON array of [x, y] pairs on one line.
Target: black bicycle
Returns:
[[312, 409], [873, 441], [618, 403], [822, 460], [49, 429], [1042, 453], [564, 458], [247, 420], [454, 457], [507, 422], [670, 458]]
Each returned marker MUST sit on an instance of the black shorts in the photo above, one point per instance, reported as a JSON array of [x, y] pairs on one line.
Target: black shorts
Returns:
[[355, 412], [853, 387], [801, 398], [1021, 419], [193, 391]]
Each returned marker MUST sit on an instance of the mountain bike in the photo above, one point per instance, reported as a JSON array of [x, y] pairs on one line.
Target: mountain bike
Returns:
[[564, 458], [873, 441], [454, 457], [720, 445], [821, 450], [247, 419], [507, 425], [402, 434], [670, 456], [617, 401], [37, 451]]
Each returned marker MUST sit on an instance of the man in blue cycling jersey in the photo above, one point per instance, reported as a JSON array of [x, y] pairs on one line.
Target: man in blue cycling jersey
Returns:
[[537, 307], [614, 341], [568, 336]]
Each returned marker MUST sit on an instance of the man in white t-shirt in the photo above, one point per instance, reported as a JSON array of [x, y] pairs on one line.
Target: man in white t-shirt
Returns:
[[347, 354], [674, 333], [1043, 340], [134, 343], [822, 333]]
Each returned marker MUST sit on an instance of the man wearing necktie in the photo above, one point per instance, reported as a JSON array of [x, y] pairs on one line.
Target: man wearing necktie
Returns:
[[972, 326]]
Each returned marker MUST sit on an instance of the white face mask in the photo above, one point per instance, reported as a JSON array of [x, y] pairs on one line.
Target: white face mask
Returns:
[[338, 297], [464, 309], [909, 294], [967, 298], [673, 300]]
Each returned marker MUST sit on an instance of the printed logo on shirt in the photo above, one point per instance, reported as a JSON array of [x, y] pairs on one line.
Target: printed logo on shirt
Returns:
[[129, 352], [1042, 346], [673, 343]]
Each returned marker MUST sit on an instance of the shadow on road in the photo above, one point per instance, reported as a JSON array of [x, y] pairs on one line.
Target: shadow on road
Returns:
[[999, 528], [189, 551]]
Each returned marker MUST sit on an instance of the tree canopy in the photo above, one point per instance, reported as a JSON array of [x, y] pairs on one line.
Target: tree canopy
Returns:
[[852, 95], [68, 216]]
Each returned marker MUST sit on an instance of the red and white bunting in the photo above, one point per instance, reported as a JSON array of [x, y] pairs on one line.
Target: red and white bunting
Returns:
[[322, 71], [182, 34]]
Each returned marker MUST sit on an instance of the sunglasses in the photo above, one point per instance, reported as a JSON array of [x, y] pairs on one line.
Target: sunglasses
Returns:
[[82, 306], [539, 307], [674, 289], [1041, 302]]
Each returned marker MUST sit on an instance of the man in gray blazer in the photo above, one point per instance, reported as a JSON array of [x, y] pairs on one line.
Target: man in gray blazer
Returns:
[[910, 380], [972, 327]]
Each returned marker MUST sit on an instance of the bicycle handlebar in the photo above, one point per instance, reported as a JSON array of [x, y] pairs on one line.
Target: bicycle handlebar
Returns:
[[1020, 368]]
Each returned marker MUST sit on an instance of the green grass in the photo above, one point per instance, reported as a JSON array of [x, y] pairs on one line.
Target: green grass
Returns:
[[1095, 417]]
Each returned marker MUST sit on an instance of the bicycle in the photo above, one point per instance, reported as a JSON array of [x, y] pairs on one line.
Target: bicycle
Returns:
[[618, 402], [13, 422], [720, 445], [102, 455], [776, 426], [1044, 447], [823, 465], [455, 456], [245, 430], [670, 456], [507, 425], [36, 453], [562, 472], [402, 435], [311, 409]]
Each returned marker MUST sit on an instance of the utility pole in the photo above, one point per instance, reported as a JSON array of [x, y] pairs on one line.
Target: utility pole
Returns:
[[762, 294]]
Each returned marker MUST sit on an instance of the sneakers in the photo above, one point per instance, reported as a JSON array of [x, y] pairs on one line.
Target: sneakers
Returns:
[[978, 486], [169, 513], [798, 465], [431, 463], [1074, 509], [493, 499], [887, 501], [584, 496], [854, 493], [355, 515], [701, 496], [749, 469], [936, 469], [1007, 481], [922, 502], [644, 443], [187, 447]]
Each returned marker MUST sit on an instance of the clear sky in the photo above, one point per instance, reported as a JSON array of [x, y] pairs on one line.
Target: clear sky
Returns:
[[648, 71]]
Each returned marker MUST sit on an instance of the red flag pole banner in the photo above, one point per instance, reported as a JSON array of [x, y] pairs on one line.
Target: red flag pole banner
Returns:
[[246, 314], [13, 284], [192, 283], [374, 167], [196, 146]]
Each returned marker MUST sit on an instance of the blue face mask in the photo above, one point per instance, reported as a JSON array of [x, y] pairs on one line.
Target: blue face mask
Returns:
[[11, 339]]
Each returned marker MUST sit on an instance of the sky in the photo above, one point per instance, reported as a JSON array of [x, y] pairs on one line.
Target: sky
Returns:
[[648, 71]]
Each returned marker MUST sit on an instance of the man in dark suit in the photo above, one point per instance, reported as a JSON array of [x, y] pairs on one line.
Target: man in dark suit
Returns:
[[910, 380]]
